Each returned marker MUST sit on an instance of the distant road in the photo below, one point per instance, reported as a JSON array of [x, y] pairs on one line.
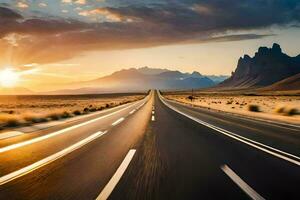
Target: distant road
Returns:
[[154, 149]]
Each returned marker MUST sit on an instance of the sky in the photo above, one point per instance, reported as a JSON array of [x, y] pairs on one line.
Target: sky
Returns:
[[51, 42]]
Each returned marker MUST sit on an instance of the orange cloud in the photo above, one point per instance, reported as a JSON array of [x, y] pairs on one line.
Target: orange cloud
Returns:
[[108, 14], [22, 5]]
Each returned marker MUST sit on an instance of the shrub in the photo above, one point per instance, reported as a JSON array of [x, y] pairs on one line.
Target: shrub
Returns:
[[287, 111], [253, 108], [280, 109], [33, 119], [92, 109], [191, 98], [7, 120], [54, 116], [65, 114], [12, 122], [100, 108], [292, 111], [76, 112], [43, 119]]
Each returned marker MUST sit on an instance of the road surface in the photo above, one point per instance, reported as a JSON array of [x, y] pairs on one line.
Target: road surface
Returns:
[[154, 149]]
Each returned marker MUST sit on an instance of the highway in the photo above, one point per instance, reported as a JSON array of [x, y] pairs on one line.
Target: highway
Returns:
[[154, 149]]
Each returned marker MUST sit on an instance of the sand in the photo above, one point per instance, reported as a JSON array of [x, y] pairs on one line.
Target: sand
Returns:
[[271, 107]]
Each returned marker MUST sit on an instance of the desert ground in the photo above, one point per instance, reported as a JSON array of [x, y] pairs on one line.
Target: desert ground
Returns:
[[28, 109], [283, 106]]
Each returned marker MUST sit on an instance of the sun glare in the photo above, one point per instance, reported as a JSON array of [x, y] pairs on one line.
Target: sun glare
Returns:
[[8, 78]]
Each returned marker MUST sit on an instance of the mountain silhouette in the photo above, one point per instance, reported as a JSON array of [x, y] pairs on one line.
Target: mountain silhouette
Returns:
[[290, 83], [134, 79], [268, 66], [137, 80]]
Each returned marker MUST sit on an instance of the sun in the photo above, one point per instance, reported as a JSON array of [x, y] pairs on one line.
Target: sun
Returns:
[[8, 77]]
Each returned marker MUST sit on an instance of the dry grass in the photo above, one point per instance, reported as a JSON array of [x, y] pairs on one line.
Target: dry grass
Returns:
[[25, 110]]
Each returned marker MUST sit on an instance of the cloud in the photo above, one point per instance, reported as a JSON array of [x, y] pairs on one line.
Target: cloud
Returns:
[[82, 2], [42, 5], [108, 14], [22, 5], [8, 14], [237, 37], [144, 25], [66, 1]]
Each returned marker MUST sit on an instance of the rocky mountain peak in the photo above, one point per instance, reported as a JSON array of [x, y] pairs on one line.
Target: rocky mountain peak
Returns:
[[268, 66], [276, 48]]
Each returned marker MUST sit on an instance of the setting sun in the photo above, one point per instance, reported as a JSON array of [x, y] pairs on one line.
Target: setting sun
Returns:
[[8, 78]]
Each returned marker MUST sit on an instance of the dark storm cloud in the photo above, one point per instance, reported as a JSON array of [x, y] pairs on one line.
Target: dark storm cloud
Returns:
[[8, 14], [145, 24]]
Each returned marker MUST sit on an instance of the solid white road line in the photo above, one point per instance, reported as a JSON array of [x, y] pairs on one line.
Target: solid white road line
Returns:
[[131, 112], [242, 184], [118, 121], [116, 177], [10, 134], [152, 118], [270, 150], [44, 137], [21, 172]]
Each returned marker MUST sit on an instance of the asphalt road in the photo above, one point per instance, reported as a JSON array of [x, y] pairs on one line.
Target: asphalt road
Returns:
[[154, 149]]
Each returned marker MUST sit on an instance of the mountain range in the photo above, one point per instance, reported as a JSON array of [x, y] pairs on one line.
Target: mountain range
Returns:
[[268, 66], [141, 79]]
